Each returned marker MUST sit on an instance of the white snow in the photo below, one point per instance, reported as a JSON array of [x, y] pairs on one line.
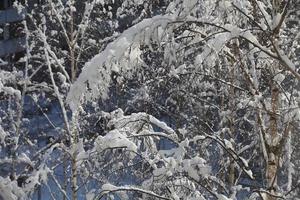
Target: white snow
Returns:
[[213, 47], [228, 144], [10, 91], [161, 125], [94, 79], [234, 30], [114, 139], [196, 167], [3, 134], [108, 187], [222, 197], [276, 20], [92, 41], [245, 162], [262, 8], [279, 78], [249, 173], [90, 195], [9, 190], [248, 35], [287, 61], [198, 137], [78, 149]]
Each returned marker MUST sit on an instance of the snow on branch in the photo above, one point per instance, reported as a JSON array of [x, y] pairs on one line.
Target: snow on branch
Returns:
[[109, 188], [114, 139], [136, 121], [95, 77], [94, 80], [9, 190]]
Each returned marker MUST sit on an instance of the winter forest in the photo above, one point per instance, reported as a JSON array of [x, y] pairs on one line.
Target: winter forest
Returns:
[[150, 99]]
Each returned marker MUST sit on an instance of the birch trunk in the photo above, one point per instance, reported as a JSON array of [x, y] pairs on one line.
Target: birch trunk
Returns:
[[273, 146], [73, 77]]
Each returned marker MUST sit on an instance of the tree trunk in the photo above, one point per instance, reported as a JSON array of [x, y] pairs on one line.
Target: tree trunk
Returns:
[[273, 145], [74, 176], [231, 175], [72, 45], [73, 77]]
